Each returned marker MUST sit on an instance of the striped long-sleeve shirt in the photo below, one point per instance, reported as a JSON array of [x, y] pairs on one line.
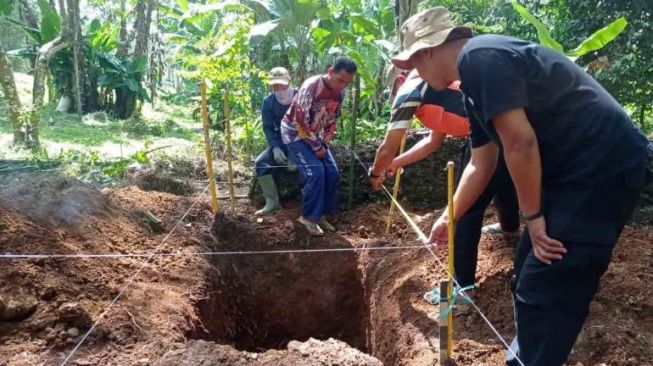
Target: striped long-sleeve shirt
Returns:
[[442, 111], [312, 114]]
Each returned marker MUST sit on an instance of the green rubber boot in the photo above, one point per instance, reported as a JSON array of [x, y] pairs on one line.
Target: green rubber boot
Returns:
[[270, 194]]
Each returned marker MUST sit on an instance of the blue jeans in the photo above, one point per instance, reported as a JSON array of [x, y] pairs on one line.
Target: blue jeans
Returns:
[[321, 180]]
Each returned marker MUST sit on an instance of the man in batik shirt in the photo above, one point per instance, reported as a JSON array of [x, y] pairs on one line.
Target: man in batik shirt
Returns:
[[307, 129]]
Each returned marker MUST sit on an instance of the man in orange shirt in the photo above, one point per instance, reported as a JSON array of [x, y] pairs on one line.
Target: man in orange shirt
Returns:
[[444, 114]]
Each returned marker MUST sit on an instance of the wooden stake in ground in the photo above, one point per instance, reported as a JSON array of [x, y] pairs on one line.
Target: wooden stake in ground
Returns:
[[207, 149], [352, 145], [232, 201], [444, 326], [395, 190], [452, 229]]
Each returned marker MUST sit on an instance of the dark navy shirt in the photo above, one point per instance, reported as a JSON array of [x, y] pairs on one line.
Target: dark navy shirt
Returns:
[[584, 135], [272, 112], [591, 152]]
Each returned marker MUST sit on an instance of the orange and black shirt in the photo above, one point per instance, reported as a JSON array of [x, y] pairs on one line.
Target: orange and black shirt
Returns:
[[442, 111]]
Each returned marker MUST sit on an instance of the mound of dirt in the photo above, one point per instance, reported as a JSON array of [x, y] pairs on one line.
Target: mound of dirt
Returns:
[[153, 180], [52, 200], [310, 353], [259, 305]]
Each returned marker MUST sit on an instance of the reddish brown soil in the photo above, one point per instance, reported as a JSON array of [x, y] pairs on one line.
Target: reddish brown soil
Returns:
[[370, 300]]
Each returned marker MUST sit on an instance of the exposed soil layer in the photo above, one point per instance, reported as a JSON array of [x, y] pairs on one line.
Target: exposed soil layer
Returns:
[[257, 302], [179, 308]]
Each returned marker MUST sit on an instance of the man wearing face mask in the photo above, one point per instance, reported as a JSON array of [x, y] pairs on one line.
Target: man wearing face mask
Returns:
[[308, 129], [273, 109]]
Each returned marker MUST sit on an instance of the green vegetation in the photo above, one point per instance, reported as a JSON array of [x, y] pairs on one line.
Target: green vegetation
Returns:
[[140, 63]]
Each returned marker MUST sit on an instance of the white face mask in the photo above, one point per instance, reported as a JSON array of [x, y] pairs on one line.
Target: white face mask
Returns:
[[284, 96]]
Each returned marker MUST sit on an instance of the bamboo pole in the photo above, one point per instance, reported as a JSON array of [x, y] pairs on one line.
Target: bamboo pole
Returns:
[[215, 206], [444, 326], [395, 190], [232, 195], [452, 228], [352, 145]]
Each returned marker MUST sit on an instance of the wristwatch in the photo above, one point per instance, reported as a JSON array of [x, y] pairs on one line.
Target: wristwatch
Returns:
[[370, 173], [532, 217]]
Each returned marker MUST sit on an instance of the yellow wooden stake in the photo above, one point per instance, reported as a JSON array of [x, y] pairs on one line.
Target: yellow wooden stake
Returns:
[[215, 206], [395, 190], [232, 195], [452, 228]]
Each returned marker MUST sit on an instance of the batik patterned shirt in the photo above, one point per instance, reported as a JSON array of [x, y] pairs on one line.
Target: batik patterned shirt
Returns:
[[312, 114]]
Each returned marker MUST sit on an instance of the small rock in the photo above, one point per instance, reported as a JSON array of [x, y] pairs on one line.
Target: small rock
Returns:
[[259, 220], [193, 241], [84, 363], [144, 361], [73, 332], [73, 314], [469, 323], [17, 305], [48, 293]]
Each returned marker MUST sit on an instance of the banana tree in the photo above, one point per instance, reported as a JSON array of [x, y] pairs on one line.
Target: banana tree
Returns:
[[291, 23], [8, 83], [596, 41], [365, 32]]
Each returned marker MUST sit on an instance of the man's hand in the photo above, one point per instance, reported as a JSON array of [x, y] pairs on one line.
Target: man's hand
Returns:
[[292, 167], [320, 154], [440, 231], [544, 248], [392, 169], [279, 156], [377, 182]]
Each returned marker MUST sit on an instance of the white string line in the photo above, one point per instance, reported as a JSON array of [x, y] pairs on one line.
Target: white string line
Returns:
[[424, 240], [131, 279], [192, 254], [309, 165]]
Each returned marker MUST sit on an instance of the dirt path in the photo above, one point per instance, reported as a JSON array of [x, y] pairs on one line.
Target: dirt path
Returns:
[[179, 306]]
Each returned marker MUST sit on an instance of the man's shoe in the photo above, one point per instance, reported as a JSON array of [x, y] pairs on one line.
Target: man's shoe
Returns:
[[269, 189], [496, 229], [312, 227], [324, 224]]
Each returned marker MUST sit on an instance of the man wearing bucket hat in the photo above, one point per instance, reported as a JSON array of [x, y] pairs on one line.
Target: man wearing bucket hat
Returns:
[[577, 162], [273, 109]]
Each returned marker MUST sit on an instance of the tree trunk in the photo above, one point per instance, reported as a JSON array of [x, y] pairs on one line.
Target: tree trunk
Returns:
[[41, 69], [29, 17], [76, 30], [144, 9], [38, 91], [123, 49], [62, 9], [125, 98], [11, 96], [404, 9]]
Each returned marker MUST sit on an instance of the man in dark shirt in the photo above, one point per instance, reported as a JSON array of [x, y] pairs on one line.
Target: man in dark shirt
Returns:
[[273, 109], [444, 114], [576, 159]]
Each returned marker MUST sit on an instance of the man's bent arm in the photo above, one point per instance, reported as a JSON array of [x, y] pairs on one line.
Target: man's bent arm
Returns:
[[475, 178], [522, 156]]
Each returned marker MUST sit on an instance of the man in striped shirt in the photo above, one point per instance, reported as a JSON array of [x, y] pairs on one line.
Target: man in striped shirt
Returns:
[[308, 129], [444, 114]]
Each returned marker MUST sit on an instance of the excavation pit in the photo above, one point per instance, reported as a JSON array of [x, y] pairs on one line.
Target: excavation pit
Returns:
[[260, 302]]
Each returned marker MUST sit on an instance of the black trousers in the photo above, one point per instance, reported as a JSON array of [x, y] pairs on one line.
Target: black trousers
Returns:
[[468, 227], [552, 301]]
